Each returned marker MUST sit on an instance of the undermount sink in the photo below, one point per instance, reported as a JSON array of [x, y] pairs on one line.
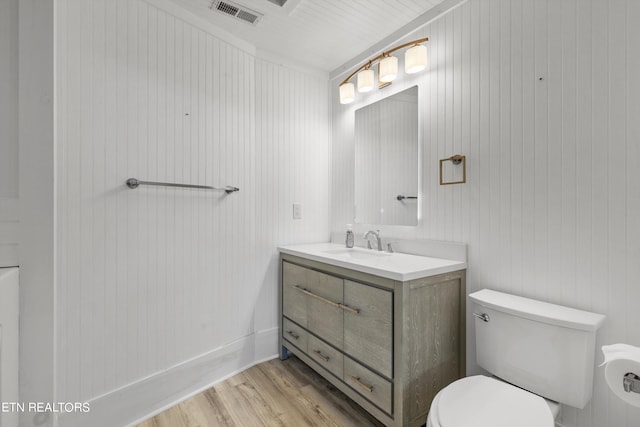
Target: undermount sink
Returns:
[[357, 253]]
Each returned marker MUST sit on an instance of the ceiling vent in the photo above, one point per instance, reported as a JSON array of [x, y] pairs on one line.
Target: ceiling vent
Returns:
[[237, 11]]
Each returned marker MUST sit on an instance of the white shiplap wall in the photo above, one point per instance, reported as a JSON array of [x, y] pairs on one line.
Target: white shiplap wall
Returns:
[[9, 99], [154, 277], [9, 133], [292, 134], [542, 97]]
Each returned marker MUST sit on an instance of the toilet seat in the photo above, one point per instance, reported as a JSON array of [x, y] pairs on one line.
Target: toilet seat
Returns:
[[481, 401]]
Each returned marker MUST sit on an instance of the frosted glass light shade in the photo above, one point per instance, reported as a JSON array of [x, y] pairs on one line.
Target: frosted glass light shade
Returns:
[[388, 69], [347, 93], [415, 59], [365, 80]]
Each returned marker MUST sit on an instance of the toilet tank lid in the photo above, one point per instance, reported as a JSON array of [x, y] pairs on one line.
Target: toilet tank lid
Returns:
[[538, 310]]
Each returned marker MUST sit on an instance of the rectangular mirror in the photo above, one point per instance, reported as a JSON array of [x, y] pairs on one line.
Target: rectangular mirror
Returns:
[[386, 160]]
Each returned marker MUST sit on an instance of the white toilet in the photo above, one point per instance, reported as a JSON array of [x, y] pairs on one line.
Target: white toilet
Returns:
[[540, 354]]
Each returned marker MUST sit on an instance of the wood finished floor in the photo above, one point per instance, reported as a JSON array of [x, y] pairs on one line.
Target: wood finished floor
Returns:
[[273, 393]]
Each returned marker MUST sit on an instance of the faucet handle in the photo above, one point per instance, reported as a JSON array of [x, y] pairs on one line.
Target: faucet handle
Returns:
[[389, 248]]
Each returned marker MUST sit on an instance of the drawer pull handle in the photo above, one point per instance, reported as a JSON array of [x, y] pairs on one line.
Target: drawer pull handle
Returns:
[[321, 356], [326, 301], [365, 387], [295, 337]]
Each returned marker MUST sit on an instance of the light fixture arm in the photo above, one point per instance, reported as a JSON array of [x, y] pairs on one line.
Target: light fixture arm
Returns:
[[372, 61]]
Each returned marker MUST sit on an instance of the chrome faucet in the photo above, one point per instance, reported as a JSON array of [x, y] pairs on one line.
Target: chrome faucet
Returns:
[[378, 241]]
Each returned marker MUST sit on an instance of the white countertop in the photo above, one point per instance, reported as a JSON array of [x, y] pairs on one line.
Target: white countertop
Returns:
[[395, 266]]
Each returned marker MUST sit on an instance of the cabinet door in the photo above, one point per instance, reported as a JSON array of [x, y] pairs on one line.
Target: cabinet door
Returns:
[[294, 302], [324, 315], [368, 333]]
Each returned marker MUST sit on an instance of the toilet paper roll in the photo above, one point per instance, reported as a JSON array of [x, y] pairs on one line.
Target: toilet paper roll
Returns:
[[619, 360]]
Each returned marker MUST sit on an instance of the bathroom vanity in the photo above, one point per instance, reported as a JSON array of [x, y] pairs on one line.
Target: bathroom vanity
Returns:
[[386, 329]]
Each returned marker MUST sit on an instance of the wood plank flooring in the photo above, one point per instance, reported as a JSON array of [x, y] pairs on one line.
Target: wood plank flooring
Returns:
[[273, 393]]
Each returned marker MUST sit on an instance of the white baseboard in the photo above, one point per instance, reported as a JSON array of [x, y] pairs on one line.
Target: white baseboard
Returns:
[[138, 401]]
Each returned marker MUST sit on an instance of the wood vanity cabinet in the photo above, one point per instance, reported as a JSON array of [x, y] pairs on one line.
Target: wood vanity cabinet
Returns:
[[388, 345]]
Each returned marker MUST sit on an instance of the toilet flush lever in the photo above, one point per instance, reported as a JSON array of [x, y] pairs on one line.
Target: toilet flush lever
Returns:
[[484, 316]]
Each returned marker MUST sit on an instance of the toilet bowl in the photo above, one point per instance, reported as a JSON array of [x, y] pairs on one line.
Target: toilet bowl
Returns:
[[482, 401], [539, 354]]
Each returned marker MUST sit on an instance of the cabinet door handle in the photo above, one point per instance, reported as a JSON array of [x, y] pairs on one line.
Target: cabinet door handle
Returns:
[[321, 356], [293, 335], [326, 301], [365, 387], [318, 297], [350, 309]]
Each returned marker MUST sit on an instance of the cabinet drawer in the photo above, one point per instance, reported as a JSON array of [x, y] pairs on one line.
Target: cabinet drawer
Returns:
[[325, 355], [368, 335], [294, 334], [370, 385]]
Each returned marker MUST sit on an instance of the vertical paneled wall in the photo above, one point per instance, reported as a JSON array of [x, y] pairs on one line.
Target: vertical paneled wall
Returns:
[[9, 133], [153, 277], [542, 97], [9, 98], [292, 151]]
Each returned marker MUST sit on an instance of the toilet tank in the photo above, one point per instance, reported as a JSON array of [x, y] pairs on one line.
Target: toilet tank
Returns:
[[545, 348]]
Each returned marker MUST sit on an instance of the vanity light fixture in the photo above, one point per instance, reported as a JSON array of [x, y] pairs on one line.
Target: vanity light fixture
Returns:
[[388, 69], [365, 80], [347, 93], [415, 60]]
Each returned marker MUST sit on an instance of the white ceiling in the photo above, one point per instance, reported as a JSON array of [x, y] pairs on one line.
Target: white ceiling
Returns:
[[323, 34]]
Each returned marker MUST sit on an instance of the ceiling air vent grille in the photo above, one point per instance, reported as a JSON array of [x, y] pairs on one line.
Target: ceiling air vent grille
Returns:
[[236, 10], [227, 8], [247, 16]]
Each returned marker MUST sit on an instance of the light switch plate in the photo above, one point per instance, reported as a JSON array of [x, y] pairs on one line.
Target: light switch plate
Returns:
[[297, 211]]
